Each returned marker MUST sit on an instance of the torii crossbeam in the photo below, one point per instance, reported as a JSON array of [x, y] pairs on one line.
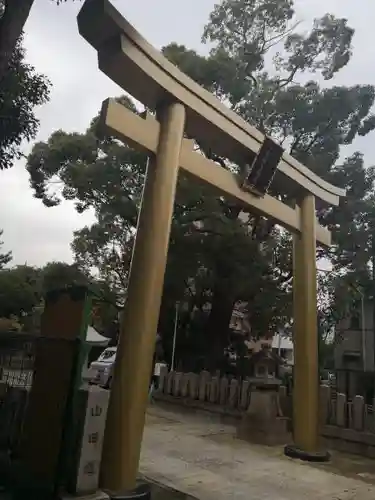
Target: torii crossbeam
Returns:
[[183, 107]]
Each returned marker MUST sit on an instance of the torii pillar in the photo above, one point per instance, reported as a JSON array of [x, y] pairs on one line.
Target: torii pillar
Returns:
[[126, 412], [305, 337]]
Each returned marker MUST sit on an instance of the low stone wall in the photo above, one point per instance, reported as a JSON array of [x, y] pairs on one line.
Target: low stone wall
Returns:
[[217, 412], [347, 426], [230, 394], [349, 440]]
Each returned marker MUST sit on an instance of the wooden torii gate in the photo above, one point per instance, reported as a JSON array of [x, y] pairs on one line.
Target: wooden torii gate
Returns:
[[183, 107]]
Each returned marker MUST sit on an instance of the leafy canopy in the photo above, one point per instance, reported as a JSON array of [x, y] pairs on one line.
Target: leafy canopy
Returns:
[[21, 87], [5, 258], [21, 90], [268, 70]]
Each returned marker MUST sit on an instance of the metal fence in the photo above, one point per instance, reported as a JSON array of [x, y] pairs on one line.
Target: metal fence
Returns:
[[17, 355]]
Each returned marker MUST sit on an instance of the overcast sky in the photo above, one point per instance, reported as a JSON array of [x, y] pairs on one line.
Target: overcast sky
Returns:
[[36, 234]]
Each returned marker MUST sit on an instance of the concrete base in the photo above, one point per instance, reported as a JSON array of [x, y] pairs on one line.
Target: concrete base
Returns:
[[160, 491], [141, 492], [268, 434], [293, 451], [98, 495], [262, 423]]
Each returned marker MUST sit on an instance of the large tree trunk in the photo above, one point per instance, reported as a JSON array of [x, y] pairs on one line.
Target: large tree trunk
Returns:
[[222, 305], [12, 23], [223, 302]]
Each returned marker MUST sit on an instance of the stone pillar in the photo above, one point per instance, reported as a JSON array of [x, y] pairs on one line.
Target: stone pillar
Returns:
[[184, 385], [204, 380], [91, 412], [262, 422], [59, 358], [358, 413], [233, 394], [324, 404], [214, 390], [193, 386], [163, 379], [341, 410], [224, 386], [244, 397], [176, 384], [169, 384]]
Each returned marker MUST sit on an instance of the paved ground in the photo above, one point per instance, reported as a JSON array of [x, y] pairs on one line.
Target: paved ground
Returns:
[[201, 457]]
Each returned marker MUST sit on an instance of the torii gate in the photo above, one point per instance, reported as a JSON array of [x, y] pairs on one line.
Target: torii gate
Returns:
[[182, 106]]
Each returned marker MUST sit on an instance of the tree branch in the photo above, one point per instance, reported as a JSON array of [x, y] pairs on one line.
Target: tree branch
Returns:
[[277, 38], [12, 23], [295, 143], [285, 81], [212, 156]]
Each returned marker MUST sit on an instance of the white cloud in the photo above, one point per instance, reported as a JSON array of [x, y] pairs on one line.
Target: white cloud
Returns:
[[37, 234], [34, 233]]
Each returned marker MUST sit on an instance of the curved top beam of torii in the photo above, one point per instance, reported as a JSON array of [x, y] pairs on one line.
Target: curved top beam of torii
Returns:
[[129, 60]]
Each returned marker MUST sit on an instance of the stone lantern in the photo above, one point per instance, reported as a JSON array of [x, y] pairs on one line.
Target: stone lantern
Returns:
[[263, 422]]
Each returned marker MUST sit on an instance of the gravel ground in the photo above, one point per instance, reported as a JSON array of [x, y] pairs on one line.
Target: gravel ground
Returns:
[[201, 457]]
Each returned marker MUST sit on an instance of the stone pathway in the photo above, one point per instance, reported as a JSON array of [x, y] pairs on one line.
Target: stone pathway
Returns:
[[201, 457]]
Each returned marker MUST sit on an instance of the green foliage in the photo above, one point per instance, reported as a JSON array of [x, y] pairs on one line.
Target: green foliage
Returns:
[[22, 289], [21, 87], [56, 275], [220, 256], [312, 122], [21, 90], [105, 309], [5, 258], [18, 291]]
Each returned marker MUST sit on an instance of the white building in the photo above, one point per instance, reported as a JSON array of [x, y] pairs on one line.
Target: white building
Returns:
[[279, 343], [283, 345]]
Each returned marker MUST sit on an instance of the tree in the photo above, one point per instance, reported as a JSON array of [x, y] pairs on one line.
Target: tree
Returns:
[[5, 258], [13, 17], [19, 292], [105, 310], [21, 89], [219, 255], [59, 275], [56, 275], [114, 193], [352, 225], [105, 247], [22, 289], [309, 121]]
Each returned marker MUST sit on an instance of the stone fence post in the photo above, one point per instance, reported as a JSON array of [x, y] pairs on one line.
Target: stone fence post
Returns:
[[341, 410]]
